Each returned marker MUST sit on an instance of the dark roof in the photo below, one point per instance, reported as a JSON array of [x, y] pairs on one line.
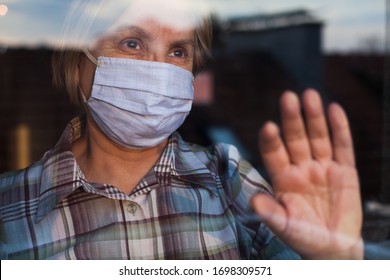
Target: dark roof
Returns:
[[274, 20]]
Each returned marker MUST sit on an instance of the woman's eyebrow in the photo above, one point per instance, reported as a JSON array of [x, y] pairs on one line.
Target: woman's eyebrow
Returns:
[[134, 30], [183, 43]]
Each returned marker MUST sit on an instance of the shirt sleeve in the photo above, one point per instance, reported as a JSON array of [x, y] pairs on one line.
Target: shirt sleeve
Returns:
[[3, 246], [256, 240]]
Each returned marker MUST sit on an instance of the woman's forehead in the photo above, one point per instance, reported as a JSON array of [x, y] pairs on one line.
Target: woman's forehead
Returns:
[[147, 27], [88, 21], [175, 14]]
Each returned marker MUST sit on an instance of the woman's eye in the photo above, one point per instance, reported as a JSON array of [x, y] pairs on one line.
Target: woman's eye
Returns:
[[131, 44], [177, 53]]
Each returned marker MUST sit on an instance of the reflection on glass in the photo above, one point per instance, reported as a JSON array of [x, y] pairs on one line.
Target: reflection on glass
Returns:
[[259, 50]]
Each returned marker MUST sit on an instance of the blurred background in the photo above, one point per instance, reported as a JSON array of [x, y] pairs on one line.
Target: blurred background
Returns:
[[260, 49]]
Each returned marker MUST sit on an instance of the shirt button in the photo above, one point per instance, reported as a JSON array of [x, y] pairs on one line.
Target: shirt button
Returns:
[[131, 208]]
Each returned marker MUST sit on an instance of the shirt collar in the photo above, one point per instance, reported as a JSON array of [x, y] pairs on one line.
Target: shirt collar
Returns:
[[186, 162], [61, 174]]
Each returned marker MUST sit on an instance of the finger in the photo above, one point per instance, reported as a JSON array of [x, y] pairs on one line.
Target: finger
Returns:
[[316, 126], [272, 149], [342, 140], [294, 129], [270, 212]]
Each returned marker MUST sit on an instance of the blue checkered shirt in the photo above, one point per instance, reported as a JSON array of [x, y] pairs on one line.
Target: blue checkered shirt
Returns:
[[193, 204]]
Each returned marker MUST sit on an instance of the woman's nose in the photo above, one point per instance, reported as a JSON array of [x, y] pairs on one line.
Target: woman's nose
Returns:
[[157, 57]]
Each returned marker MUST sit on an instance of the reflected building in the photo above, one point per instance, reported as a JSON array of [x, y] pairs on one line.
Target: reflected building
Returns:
[[293, 38]]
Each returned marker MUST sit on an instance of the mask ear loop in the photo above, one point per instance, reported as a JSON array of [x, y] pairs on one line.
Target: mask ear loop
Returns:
[[82, 96], [94, 61], [91, 57]]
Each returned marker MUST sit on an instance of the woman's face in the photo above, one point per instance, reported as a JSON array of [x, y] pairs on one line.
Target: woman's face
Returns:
[[146, 40]]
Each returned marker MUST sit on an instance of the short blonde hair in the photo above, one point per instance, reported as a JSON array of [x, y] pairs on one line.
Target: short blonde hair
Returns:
[[65, 62]]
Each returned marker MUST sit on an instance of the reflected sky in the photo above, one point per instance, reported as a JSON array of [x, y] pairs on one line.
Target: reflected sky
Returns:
[[41, 22]]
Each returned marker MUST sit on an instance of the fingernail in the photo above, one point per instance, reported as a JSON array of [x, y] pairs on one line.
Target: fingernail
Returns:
[[291, 96]]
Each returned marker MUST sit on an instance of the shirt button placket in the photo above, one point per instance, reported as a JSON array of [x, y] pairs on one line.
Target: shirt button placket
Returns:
[[132, 208]]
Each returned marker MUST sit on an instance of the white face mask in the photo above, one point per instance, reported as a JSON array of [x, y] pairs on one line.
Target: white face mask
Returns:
[[139, 104]]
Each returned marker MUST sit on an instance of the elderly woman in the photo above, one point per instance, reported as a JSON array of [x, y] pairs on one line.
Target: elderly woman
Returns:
[[122, 184]]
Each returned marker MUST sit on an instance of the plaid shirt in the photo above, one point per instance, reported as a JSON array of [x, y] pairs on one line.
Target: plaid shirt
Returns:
[[194, 204]]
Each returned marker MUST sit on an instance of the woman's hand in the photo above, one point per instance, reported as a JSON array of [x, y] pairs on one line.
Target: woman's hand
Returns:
[[317, 208]]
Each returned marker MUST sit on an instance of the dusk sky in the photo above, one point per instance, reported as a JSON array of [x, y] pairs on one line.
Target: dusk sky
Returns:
[[347, 22]]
